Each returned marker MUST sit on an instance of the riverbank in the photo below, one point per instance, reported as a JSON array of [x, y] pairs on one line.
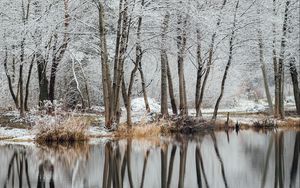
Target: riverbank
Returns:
[[14, 129]]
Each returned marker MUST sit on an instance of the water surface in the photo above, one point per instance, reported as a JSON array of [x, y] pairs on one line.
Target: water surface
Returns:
[[246, 159]]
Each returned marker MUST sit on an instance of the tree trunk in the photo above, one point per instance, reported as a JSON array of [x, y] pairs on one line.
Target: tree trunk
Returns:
[[163, 56], [43, 81], [139, 56], [263, 66], [116, 58], [9, 79], [120, 68], [77, 86], [128, 106], [127, 101], [164, 92], [209, 63], [120, 59], [228, 63], [144, 89], [281, 63], [181, 44], [224, 78], [27, 84], [58, 55], [171, 90], [199, 74], [106, 82], [21, 95], [275, 66], [294, 75], [86, 86], [52, 81], [21, 91]]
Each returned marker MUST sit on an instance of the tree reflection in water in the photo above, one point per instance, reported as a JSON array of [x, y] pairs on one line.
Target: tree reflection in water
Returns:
[[18, 167], [295, 162], [41, 174], [180, 161]]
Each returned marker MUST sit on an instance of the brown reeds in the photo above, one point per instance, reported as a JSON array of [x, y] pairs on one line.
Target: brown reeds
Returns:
[[69, 130]]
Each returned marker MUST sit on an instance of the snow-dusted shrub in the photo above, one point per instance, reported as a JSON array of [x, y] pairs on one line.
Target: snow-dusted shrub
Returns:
[[69, 130]]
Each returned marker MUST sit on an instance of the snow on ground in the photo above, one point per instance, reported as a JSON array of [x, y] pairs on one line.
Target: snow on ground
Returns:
[[25, 135], [97, 131], [138, 105], [243, 105], [139, 112], [14, 133]]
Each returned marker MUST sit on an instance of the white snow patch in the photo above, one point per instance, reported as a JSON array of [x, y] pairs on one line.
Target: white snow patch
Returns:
[[97, 131], [138, 104], [20, 134]]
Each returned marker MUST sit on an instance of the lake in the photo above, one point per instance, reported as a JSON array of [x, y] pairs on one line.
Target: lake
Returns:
[[216, 159]]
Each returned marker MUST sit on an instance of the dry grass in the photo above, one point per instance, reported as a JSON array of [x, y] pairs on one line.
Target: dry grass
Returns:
[[69, 130], [142, 130], [266, 123], [290, 122]]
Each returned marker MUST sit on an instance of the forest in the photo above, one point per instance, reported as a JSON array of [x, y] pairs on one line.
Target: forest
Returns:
[[149, 93], [77, 54]]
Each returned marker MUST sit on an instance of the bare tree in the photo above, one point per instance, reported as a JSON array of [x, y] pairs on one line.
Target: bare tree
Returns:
[[230, 56], [262, 63], [181, 45], [164, 59], [111, 89], [208, 66], [279, 84], [58, 52]]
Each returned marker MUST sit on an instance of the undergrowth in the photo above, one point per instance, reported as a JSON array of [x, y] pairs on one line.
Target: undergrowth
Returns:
[[142, 129], [68, 130]]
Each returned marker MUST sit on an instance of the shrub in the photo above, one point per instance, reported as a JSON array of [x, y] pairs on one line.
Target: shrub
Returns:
[[140, 130], [267, 123], [68, 130]]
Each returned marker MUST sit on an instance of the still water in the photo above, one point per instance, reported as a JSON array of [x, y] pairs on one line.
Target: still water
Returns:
[[246, 159]]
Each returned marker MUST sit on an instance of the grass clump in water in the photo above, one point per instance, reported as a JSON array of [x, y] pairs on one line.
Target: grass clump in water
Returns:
[[143, 129], [69, 130], [267, 123]]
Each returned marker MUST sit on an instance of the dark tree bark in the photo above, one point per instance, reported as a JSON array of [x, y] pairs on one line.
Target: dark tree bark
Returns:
[[280, 69], [28, 83], [199, 74], [139, 56], [9, 79], [171, 90], [116, 58], [58, 54], [106, 81], [21, 96], [163, 56], [230, 56], [275, 65], [209, 64], [43, 80], [294, 75], [181, 45]]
